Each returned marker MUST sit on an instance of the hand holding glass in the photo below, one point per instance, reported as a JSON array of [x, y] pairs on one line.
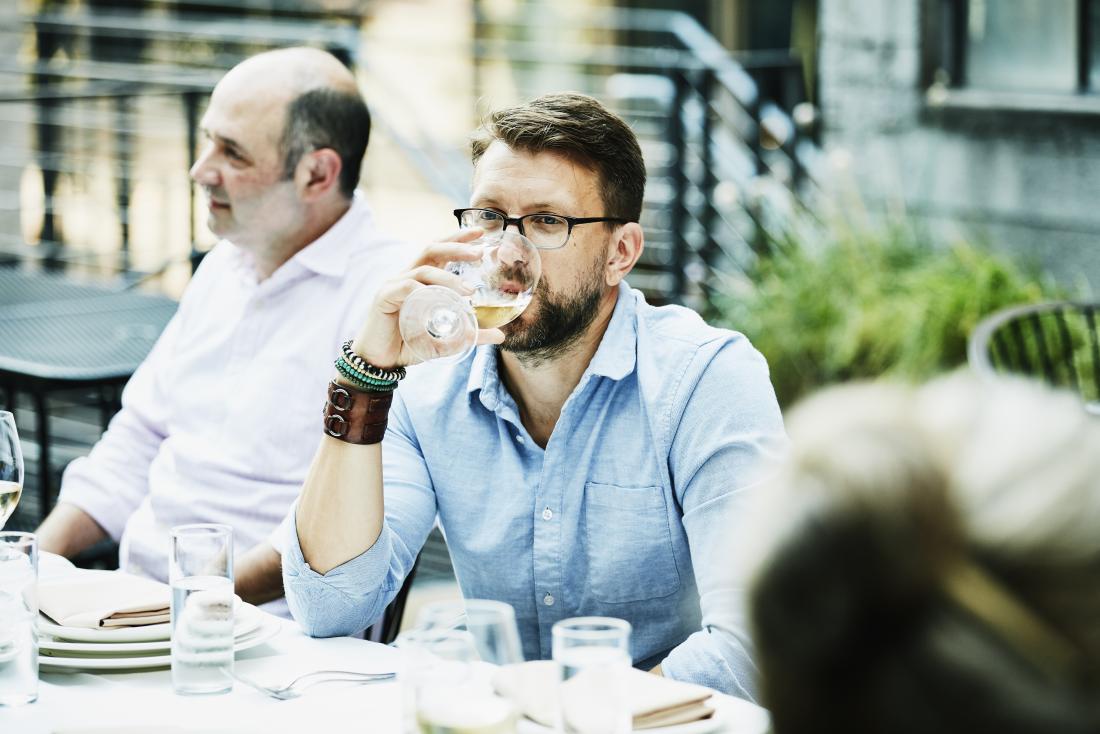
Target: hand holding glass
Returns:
[[437, 323], [11, 467]]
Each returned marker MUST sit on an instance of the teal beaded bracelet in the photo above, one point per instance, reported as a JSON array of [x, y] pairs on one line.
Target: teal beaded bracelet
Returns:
[[362, 381]]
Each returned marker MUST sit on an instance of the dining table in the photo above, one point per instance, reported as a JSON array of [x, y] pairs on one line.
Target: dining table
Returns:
[[144, 702], [98, 700]]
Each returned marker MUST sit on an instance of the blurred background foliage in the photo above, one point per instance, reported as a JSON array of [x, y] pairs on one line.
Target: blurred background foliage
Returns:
[[836, 301]]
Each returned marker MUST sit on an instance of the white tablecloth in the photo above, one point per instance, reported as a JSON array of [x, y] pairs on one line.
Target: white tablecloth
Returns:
[[144, 702]]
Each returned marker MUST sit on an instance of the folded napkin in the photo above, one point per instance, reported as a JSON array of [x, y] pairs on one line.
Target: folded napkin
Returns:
[[104, 600], [654, 701]]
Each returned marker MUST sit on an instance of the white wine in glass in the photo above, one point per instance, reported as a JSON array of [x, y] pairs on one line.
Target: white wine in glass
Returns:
[[439, 324], [11, 467]]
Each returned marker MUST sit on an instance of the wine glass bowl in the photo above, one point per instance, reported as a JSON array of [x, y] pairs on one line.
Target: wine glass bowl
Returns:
[[437, 323], [11, 467]]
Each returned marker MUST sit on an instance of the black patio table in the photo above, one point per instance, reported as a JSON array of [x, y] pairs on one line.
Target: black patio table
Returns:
[[57, 333]]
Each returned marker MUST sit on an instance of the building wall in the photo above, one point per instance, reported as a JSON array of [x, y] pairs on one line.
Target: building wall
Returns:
[[992, 168]]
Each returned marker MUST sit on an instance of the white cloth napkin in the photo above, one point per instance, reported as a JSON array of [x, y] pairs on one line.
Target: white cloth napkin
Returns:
[[96, 600], [654, 701]]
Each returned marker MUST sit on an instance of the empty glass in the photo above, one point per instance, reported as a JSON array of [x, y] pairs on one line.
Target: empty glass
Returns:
[[18, 618], [11, 467], [439, 324], [594, 656], [201, 575]]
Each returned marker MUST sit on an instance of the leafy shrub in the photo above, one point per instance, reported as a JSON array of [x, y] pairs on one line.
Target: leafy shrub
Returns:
[[835, 305]]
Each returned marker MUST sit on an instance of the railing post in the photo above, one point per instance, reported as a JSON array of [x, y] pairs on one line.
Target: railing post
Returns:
[[710, 180], [678, 176], [191, 112], [123, 149]]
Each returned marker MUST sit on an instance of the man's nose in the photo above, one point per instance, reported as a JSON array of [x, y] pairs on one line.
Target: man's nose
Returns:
[[203, 172]]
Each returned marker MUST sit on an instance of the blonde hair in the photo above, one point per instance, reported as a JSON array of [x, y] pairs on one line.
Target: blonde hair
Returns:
[[932, 548]]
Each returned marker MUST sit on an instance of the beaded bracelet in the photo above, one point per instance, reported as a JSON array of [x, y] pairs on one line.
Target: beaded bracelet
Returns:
[[370, 370], [348, 369], [361, 381]]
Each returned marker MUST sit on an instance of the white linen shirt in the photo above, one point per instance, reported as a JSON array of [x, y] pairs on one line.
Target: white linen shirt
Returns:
[[221, 420]]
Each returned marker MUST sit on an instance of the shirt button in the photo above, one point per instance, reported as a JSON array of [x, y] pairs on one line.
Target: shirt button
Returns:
[[519, 440], [547, 514], [548, 600]]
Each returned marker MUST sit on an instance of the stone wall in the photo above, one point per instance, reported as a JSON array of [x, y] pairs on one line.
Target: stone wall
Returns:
[[989, 168]]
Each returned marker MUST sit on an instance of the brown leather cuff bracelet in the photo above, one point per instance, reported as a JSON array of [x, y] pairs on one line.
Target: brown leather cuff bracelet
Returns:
[[354, 416]]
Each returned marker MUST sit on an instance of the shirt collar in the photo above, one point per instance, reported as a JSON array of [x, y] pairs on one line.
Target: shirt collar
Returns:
[[615, 358], [329, 253]]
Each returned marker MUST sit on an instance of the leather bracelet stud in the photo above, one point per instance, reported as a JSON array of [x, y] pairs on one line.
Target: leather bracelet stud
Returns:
[[356, 417]]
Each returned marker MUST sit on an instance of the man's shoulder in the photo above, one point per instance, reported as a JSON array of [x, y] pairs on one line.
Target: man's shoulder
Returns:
[[674, 331]]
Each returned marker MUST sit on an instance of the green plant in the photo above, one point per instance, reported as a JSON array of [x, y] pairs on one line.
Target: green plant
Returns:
[[831, 304]]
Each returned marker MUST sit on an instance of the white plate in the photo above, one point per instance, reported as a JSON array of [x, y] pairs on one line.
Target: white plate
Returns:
[[703, 726], [247, 618], [268, 629]]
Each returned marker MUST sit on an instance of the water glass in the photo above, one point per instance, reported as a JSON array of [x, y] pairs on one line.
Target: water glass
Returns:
[[18, 618], [443, 689], [593, 654], [201, 575]]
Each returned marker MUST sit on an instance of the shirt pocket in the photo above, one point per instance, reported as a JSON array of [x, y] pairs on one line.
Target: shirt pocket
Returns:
[[629, 543]]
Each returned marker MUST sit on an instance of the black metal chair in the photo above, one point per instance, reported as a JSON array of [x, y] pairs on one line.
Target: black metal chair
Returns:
[[385, 630], [1056, 342]]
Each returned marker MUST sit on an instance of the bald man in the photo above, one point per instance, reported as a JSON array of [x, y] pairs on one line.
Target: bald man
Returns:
[[220, 421]]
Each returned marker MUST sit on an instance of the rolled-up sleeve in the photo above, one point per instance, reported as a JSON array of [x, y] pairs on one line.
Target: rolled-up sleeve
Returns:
[[354, 595], [111, 481], [727, 433]]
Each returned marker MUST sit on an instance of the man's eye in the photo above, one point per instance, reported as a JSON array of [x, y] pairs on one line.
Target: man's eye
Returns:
[[547, 220], [231, 153], [487, 215]]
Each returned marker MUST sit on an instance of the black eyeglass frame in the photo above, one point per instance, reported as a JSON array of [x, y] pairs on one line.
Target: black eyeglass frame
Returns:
[[518, 222]]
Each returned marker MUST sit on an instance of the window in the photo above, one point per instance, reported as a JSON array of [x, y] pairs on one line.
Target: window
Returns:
[[1050, 46]]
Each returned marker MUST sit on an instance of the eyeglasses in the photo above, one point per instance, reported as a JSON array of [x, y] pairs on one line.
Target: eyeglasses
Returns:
[[546, 231]]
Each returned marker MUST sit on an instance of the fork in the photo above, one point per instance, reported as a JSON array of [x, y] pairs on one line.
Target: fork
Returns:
[[296, 686]]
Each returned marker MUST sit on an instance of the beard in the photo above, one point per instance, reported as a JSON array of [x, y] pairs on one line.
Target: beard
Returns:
[[559, 323]]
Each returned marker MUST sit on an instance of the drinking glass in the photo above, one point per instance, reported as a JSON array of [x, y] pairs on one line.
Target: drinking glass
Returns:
[[491, 624], [201, 575], [18, 618], [446, 689], [11, 467], [594, 657], [439, 324]]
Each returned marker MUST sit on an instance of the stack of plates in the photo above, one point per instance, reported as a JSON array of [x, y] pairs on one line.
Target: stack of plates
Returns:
[[63, 649]]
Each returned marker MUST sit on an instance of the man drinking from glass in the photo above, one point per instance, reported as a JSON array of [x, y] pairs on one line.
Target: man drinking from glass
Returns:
[[587, 459]]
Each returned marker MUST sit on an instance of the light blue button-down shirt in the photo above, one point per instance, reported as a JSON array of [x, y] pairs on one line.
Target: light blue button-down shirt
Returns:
[[627, 512]]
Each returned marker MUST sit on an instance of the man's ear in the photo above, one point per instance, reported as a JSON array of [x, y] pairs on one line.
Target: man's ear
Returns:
[[623, 252], [318, 172]]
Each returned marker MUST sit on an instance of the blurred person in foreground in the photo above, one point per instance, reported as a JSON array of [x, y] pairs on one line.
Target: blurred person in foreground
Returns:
[[218, 423], [585, 460], [929, 561]]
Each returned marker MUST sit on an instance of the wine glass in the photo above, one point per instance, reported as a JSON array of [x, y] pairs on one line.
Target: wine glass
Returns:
[[439, 324], [444, 690], [490, 624], [11, 467]]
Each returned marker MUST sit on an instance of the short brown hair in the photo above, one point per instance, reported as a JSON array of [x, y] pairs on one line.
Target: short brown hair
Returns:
[[581, 129]]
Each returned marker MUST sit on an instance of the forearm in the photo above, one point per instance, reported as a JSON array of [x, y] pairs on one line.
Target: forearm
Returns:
[[259, 575], [68, 530], [340, 511]]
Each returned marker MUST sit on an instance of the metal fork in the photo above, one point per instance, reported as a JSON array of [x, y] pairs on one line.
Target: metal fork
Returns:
[[296, 686]]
